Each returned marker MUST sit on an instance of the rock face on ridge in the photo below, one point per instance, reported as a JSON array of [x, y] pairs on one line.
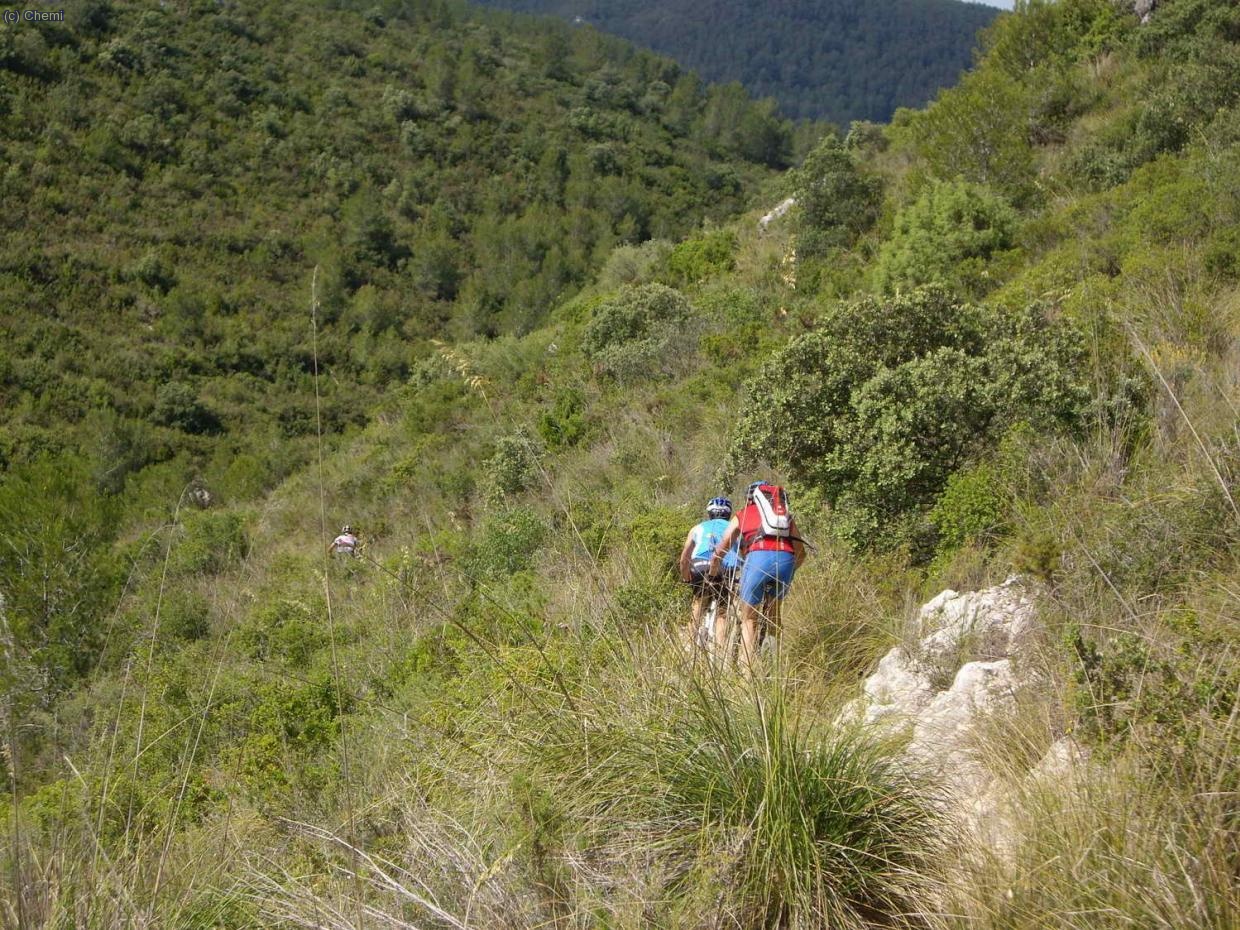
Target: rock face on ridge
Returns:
[[960, 671]]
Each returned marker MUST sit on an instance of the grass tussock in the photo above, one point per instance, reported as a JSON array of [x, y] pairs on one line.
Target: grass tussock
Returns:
[[657, 793], [1113, 847]]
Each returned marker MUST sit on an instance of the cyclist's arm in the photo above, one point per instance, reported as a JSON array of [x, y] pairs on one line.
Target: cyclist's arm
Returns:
[[729, 537], [798, 547], [685, 552]]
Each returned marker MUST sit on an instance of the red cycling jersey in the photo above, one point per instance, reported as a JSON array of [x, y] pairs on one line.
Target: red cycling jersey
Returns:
[[752, 539]]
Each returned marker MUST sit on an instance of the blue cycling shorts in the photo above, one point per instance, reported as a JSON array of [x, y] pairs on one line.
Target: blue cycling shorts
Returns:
[[766, 573]]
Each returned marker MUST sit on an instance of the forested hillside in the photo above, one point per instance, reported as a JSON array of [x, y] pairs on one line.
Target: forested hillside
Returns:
[[172, 171], [820, 59], [998, 337]]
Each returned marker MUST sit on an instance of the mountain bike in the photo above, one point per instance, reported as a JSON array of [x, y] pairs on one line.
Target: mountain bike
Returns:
[[720, 607]]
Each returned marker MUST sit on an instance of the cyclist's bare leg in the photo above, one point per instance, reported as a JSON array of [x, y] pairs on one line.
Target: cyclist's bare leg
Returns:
[[724, 625], [751, 625], [695, 611]]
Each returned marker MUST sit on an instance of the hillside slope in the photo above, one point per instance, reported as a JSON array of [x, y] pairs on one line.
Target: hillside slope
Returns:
[[820, 59], [175, 173], [999, 335]]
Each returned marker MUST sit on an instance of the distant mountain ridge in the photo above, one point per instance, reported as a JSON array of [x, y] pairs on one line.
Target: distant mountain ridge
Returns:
[[829, 59]]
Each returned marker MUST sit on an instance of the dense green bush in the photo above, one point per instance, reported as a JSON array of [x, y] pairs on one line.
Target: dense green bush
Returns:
[[211, 542], [564, 424], [888, 397], [637, 332], [59, 578], [177, 405], [970, 507], [836, 199], [947, 236], [512, 469], [507, 543], [701, 257]]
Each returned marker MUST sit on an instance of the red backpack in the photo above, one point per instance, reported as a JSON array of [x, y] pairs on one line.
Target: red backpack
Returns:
[[774, 520]]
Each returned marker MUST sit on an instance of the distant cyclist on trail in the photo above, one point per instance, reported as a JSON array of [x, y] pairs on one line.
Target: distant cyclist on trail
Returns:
[[695, 559], [344, 544], [773, 550]]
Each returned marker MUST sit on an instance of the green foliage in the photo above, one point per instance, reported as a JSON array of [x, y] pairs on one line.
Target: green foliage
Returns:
[[507, 543], [634, 264], [564, 425], [186, 615], [970, 507], [636, 332], [975, 132], [701, 257], [881, 403], [177, 405], [948, 236], [659, 532], [211, 543], [288, 725], [512, 469], [58, 575], [836, 200], [1165, 696], [285, 629], [455, 193]]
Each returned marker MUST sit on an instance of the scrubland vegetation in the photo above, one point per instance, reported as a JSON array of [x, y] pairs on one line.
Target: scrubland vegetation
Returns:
[[998, 335]]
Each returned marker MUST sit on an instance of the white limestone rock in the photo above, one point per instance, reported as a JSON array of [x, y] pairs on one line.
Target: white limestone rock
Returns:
[[780, 209]]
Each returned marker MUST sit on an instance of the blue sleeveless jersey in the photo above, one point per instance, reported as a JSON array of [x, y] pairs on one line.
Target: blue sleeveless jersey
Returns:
[[707, 535]]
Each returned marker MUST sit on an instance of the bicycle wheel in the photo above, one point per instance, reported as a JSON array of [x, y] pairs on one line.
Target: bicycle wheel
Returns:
[[706, 631]]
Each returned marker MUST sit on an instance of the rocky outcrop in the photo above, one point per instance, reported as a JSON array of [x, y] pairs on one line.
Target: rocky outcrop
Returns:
[[780, 209], [963, 666]]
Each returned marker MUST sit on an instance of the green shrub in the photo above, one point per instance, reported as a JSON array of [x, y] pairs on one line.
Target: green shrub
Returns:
[[177, 405], [659, 532], [888, 397], [976, 131], [512, 469], [285, 629], [58, 574], [1166, 696], [211, 542], [186, 615], [636, 332], [631, 265], [970, 507], [947, 236], [836, 200], [507, 543], [564, 425], [701, 257]]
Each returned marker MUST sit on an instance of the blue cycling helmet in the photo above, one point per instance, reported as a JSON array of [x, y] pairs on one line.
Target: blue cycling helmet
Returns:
[[719, 508]]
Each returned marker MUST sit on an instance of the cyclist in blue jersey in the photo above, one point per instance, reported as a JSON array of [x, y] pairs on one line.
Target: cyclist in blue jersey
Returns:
[[696, 553]]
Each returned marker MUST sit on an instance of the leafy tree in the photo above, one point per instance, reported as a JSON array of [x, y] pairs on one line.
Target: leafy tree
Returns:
[[836, 200], [975, 131], [177, 405], [947, 236], [888, 397]]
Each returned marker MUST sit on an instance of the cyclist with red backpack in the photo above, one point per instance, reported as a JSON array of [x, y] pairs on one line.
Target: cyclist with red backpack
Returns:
[[773, 550]]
